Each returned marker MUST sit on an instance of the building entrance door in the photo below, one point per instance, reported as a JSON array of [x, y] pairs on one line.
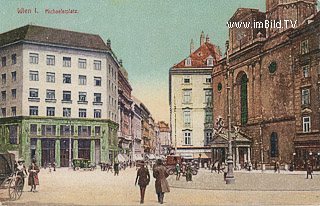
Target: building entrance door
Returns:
[[47, 151], [241, 157], [84, 148], [64, 152]]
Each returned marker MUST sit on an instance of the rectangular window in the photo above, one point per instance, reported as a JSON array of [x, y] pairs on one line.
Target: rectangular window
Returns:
[[187, 118], [208, 96], [97, 65], [66, 96], [67, 78], [51, 77], [33, 58], [186, 80], [51, 94], [33, 110], [50, 60], [4, 78], [3, 95], [4, 61], [34, 129], [3, 112], [14, 93], [82, 80], [13, 111], [305, 96], [208, 80], [97, 81], [66, 130], [82, 113], [187, 96], [82, 96], [97, 130], [84, 131], [97, 113], [13, 134], [305, 71], [48, 130], [50, 111], [34, 76], [67, 112], [33, 92], [187, 138], [306, 124], [14, 76], [97, 97], [13, 58], [304, 47], [209, 116], [208, 137], [82, 63], [66, 61]]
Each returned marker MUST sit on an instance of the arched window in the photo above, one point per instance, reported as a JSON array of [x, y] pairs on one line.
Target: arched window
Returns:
[[274, 144], [244, 99]]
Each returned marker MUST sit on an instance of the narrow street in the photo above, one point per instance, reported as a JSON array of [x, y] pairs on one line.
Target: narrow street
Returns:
[[67, 187]]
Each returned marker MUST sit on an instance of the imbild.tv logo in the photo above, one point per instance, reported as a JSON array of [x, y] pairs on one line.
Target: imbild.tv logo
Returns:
[[263, 24]]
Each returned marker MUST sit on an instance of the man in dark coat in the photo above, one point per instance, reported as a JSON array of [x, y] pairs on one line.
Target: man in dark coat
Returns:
[[162, 186], [33, 176], [309, 169], [144, 179], [116, 168]]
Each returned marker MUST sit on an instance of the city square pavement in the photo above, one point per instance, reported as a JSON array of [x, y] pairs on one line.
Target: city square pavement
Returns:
[[67, 187]]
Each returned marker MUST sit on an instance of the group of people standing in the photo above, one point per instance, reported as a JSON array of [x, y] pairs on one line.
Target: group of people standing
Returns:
[[159, 173], [33, 171]]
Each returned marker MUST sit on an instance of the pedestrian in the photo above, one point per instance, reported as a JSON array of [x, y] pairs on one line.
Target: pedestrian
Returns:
[[144, 179], [309, 169], [256, 165], [54, 166], [183, 168], [218, 166], [278, 166], [33, 180], [225, 171], [116, 168], [161, 184], [21, 170], [189, 172], [178, 170]]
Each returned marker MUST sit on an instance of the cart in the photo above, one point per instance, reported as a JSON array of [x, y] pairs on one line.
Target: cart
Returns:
[[9, 178], [81, 163]]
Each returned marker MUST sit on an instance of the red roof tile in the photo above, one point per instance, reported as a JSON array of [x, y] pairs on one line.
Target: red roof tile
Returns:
[[199, 57]]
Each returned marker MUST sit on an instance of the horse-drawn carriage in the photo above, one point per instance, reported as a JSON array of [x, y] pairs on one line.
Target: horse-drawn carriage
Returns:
[[9, 178]]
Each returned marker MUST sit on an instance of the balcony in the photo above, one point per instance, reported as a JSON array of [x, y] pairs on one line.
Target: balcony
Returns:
[[51, 100], [34, 99], [82, 102], [96, 103], [66, 101]]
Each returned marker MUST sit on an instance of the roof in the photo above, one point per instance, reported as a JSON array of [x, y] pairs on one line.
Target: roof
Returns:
[[199, 57], [53, 36]]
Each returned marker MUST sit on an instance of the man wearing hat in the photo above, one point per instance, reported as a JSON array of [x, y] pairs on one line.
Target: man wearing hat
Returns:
[[21, 169], [144, 179], [162, 186]]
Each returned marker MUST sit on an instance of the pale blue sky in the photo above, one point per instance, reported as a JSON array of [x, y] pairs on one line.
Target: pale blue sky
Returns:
[[149, 35]]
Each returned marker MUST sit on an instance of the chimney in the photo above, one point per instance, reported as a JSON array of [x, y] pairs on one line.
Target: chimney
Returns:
[[208, 39], [202, 38], [191, 47], [109, 44]]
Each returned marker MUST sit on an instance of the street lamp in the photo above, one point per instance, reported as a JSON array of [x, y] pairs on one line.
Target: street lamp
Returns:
[[230, 178]]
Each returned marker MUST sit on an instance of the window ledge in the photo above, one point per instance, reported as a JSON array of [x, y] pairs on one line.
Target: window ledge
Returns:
[[51, 100], [34, 99], [66, 101], [82, 102], [97, 103], [187, 145]]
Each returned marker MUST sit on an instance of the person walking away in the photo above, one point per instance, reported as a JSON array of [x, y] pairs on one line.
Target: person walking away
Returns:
[[178, 169], [33, 180], [116, 168], [161, 184], [144, 179], [309, 169], [278, 166], [189, 173], [21, 170]]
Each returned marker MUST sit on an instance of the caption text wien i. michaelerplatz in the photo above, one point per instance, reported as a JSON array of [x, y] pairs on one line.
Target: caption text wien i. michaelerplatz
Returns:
[[47, 11]]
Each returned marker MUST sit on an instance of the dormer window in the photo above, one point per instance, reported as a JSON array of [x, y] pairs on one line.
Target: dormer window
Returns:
[[188, 61], [209, 60]]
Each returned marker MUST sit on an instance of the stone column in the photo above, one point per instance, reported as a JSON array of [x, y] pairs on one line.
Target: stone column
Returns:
[[104, 151], [75, 149], [249, 155], [238, 158], [93, 152], [57, 151], [39, 151]]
